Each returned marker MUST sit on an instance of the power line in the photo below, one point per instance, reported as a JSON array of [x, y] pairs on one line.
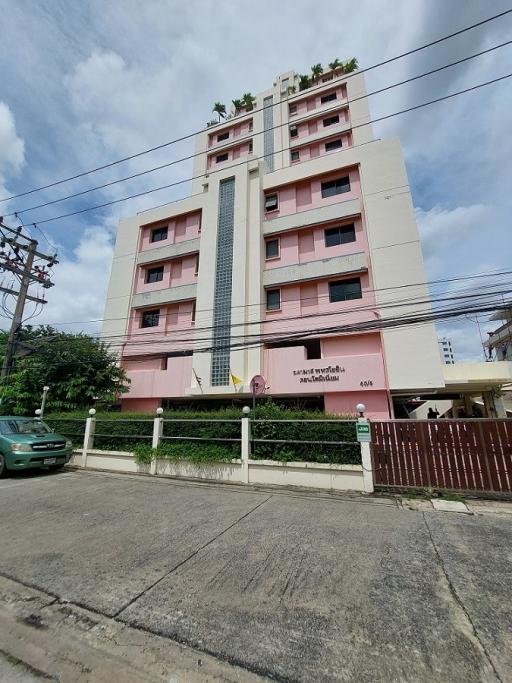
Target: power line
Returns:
[[309, 90], [225, 168], [425, 283], [406, 320], [241, 140], [127, 340]]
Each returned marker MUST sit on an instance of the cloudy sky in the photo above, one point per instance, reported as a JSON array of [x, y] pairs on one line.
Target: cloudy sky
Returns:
[[84, 83]]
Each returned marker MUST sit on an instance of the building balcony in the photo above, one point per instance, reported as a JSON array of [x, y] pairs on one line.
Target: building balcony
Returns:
[[170, 231], [305, 105], [310, 134], [164, 251], [164, 296], [230, 134], [344, 209], [168, 383], [315, 270]]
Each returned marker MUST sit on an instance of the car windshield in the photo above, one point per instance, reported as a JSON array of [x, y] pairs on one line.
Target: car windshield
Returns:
[[24, 427]]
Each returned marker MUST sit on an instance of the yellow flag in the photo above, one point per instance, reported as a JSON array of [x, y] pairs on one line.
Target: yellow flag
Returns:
[[236, 380]]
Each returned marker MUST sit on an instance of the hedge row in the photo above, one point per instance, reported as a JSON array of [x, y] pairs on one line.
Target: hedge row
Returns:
[[123, 431]]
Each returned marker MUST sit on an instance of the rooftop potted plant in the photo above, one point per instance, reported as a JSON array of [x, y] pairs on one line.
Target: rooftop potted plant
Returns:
[[304, 82], [351, 65], [238, 105], [219, 109], [248, 101], [316, 72], [336, 66]]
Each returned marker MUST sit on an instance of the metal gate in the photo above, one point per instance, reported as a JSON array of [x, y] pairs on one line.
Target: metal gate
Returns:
[[468, 455]]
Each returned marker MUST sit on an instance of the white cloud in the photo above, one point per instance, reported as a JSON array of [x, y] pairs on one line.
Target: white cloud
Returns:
[[444, 228], [81, 281], [12, 150]]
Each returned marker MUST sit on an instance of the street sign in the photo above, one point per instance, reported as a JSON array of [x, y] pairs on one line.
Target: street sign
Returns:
[[258, 385], [363, 432]]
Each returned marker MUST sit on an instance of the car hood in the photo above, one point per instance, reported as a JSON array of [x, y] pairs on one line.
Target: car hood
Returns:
[[34, 438]]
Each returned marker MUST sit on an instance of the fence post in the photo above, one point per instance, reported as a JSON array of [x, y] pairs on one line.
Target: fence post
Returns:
[[366, 460], [246, 445], [364, 438], [158, 428], [90, 427]]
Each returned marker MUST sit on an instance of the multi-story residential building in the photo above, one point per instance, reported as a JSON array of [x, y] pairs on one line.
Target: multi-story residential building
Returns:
[[499, 344], [299, 232], [446, 351]]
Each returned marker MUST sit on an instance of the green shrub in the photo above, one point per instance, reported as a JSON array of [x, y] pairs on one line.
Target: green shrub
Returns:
[[123, 431], [195, 452]]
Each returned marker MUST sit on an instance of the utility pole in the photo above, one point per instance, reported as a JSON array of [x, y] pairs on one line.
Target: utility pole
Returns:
[[28, 273], [17, 318]]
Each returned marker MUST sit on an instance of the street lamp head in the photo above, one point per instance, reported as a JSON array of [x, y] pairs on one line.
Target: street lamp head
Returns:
[[246, 410], [360, 407], [38, 412], [159, 411], [46, 388], [92, 412]]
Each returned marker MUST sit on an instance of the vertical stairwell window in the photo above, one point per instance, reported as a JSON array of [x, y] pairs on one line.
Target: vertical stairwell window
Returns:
[[223, 285]]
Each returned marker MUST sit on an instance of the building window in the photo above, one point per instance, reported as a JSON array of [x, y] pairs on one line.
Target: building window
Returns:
[[250, 125], [193, 318], [333, 144], [344, 290], [155, 274], [271, 202], [328, 98], [250, 147], [196, 268], [331, 120], [271, 249], [221, 157], [295, 155], [223, 136], [150, 318], [293, 131], [292, 109], [273, 299], [333, 187], [159, 234], [340, 235]]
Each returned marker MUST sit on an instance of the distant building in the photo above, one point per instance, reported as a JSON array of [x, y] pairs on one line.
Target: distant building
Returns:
[[446, 351], [499, 344]]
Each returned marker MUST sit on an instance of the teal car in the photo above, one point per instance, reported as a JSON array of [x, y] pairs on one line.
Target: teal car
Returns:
[[27, 442]]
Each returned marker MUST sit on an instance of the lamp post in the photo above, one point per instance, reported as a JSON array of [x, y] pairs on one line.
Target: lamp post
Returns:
[[46, 389]]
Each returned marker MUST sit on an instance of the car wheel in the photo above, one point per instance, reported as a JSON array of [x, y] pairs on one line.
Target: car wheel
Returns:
[[54, 468], [3, 467]]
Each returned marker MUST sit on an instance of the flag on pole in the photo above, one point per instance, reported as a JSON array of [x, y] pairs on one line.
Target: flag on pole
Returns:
[[198, 380], [236, 380]]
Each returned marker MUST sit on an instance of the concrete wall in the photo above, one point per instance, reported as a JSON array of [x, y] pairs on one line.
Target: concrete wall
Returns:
[[265, 472]]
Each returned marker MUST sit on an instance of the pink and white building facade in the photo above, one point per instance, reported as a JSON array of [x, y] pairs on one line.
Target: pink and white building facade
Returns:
[[299, 229]]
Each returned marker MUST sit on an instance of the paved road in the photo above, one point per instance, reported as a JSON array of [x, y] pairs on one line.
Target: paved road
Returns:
[[300, 587]]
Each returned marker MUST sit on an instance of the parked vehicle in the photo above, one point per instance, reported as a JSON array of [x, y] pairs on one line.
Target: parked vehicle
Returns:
[[27, 442]]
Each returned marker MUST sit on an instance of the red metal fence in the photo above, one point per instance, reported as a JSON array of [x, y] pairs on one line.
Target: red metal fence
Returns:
[[468, 455]]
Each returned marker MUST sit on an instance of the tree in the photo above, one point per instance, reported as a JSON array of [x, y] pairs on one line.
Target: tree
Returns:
[[335, 66], [76, 367], [304, 82], [351, 65], [237, 104], [248, 100], [219, 109], [316, 72]]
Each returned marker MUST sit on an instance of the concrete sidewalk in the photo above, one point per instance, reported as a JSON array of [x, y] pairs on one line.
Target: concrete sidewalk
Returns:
[[293, 586]]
